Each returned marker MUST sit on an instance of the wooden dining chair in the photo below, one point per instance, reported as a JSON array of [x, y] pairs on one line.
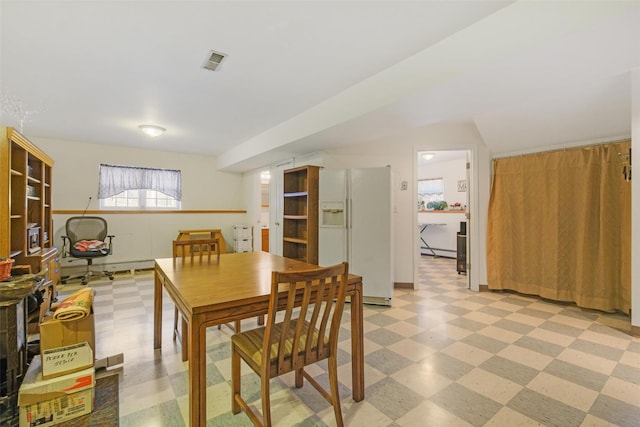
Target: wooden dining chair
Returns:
[[294, 338], [194, 251]]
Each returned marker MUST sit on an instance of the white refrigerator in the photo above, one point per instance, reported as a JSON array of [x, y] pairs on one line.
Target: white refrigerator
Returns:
[[355, 226]]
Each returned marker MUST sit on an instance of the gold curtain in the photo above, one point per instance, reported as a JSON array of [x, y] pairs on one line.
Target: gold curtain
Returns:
[[560, 226]]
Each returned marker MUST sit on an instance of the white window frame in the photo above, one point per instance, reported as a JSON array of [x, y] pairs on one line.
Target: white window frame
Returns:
[[426, 195], [110, 203], [134, 181]]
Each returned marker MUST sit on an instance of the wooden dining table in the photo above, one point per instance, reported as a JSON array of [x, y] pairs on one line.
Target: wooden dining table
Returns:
[[237, 287]]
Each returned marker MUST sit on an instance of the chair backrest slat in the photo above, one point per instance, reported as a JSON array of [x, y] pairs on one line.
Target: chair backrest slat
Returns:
[[286, 324], [314, 321], [316, 297], [196, 247], [328, 291]]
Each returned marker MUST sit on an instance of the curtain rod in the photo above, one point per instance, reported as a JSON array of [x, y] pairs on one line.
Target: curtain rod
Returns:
[[573, 147], [139, 167]]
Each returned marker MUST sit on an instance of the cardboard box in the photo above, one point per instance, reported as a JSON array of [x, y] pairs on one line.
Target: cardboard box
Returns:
[[55, 411], [36, 389], [56, 334], [65, 360]]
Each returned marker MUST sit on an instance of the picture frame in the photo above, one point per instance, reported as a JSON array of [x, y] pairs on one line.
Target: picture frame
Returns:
[[462, 185]]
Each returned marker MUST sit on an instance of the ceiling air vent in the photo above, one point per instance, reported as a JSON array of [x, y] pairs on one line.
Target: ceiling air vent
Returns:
[[213, 61]]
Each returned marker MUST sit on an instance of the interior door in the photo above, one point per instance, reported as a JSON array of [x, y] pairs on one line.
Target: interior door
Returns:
[[276, 201]]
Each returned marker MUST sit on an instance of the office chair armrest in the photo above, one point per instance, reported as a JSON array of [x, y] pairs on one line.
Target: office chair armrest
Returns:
[[110, 236], [65, 250]]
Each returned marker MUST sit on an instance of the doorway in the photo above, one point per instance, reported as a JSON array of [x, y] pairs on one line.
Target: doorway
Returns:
[[276, 189], [442, 202]]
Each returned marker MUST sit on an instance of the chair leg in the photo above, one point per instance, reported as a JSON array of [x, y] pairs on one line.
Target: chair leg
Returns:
[[235, 379], [183, 341], [266, 401], [175, 323], [333, 384], [179, 334], [299, 378]]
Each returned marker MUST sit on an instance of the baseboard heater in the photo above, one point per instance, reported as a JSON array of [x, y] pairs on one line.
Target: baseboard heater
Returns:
[[438, 249], [79, 267]]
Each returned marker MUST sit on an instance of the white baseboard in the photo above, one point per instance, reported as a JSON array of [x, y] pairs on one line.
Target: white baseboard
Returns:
[[373, 300]]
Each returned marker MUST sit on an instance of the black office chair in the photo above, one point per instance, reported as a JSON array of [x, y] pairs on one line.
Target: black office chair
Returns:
[[86, 239]]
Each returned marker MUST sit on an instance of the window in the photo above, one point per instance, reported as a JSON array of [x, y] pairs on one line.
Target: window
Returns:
[[430, 190], [127, 187]]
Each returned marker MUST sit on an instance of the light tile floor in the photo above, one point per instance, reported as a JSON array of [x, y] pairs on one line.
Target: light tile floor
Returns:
[[440, 356]]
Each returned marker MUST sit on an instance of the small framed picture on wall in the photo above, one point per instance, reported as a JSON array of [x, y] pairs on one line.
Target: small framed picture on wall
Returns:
[[462, 185]]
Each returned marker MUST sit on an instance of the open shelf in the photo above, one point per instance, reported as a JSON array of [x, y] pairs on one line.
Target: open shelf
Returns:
[[26, 200], [300, 214]]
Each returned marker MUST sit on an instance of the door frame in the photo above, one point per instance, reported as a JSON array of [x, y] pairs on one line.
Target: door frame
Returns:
[[472, 213]]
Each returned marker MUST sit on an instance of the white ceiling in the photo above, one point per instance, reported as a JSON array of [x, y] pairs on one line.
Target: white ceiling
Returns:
[[306, 76], [440, 156]]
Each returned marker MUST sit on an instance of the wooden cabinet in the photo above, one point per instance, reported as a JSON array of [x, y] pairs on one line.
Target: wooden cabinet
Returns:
[[300, 214], [26, 221], [265, 240]]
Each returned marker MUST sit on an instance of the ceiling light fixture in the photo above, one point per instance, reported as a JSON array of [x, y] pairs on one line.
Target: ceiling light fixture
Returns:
[[152, 130], [428, 156]]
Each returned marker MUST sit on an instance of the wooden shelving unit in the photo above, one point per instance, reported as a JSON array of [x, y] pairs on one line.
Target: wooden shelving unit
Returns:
[[26, 233], [26, 220], [300, 214]]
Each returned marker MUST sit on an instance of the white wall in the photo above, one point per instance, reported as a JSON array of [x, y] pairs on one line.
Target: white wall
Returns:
[[451, 172], [354, 157], [145, 237], [443, 235], [400, 153], [142, 236]]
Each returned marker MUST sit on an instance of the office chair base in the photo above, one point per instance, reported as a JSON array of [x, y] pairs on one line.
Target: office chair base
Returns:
[[84, 278]]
